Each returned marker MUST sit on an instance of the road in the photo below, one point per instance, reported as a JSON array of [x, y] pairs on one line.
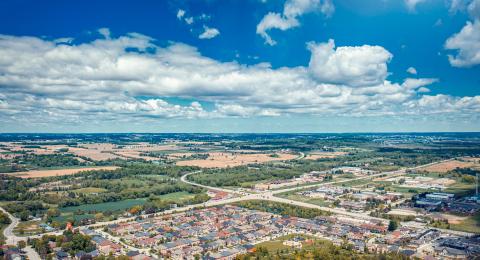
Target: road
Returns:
[[12, 239], [270, 195]]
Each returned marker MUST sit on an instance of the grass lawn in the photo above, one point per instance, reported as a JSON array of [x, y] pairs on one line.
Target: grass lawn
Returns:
[[461, 188], [354, 183], [277, 245], [176, 196], [2, 227], [28, 228], [107, 206], [89, 190], [297, 197], [471, 224]]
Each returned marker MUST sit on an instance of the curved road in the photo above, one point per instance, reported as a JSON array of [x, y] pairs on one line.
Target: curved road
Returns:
[[12, 239]]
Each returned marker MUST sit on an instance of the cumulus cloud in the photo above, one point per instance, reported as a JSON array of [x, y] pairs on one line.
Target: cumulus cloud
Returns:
[[412, 70], [105, 32], [289, 18], [467, 41], [412, 4], [180, 14], [467, 44], [209, 33], [354, 66], [104, 80]]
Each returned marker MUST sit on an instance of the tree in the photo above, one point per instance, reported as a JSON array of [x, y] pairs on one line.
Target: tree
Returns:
[[393, 225], [21, 244], [53, 212]]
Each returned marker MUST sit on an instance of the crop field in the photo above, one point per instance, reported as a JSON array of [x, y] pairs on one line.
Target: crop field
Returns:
[[107, 206], [448, 166], [59, 172], [223, 160]]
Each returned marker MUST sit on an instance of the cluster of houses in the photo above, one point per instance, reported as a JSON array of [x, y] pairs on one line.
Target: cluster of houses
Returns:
[[223, 232], [220, 232]]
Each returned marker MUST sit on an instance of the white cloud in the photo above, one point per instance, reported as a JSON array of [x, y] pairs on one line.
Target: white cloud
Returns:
[[412, 70], [467, 44], [355, 66], [474, 9], [209, 33], [105, 32], [410, 83], [412, 4], [180, 14], [44, 82], [289, 18], [189, 20]]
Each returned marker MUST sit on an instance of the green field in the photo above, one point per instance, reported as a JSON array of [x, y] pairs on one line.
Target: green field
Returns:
[[89, 190], [176, 196], [275, 245], [298, 197], [461, 188], [107, 206], [471, 224]]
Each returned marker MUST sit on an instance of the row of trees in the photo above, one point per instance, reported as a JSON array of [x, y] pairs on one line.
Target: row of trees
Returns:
[[282, 209]]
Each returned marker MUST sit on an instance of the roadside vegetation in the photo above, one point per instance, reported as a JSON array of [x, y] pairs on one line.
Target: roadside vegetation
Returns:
[[282, 209]]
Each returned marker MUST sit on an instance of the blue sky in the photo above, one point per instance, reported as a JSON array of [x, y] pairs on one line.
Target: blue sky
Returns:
[[239, 66]]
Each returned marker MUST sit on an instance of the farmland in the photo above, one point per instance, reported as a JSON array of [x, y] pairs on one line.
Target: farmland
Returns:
[[60, 172], [224, 160]]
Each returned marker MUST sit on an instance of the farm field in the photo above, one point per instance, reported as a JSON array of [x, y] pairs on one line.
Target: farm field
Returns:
[[223, 160], [59, 172], [448, 166], [107, 206]]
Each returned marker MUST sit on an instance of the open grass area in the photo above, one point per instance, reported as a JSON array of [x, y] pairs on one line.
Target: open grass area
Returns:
[[176, 196], [28, 228], [2, 237], [298, 197], [89, 190], [107, 206], [461, 188], [277, 245], [470, 224], [354, 183]]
